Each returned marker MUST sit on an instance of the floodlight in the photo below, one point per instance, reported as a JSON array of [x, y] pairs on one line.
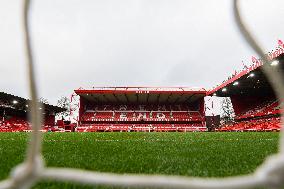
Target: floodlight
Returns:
[[15, 102], [224, 89], [251, 75], [274, 63], [236, 83]]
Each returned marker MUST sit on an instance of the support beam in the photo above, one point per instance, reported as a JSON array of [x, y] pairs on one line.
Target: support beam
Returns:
[[137, 98], [169, 97], [158, 98], [189, 98], [116, 98], [106, 98], [126, 98], [95, 98], [147, 98], [178, 98]]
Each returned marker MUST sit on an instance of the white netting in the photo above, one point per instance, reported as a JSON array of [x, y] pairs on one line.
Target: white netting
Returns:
[[32, 170]]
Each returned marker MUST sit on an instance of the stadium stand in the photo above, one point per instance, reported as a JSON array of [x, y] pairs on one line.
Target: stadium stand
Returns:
[[13, 112], [14, 124], [254, 101], [262, 124], [182, 109], [149, 109], [135, 109], [266, 108]]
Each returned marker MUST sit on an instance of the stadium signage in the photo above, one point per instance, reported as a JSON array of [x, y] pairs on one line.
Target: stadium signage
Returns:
[[270, 55], [146, 90], [143, 92]]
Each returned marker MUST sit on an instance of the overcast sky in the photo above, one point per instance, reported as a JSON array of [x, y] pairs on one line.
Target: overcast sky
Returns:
[[85, 43]]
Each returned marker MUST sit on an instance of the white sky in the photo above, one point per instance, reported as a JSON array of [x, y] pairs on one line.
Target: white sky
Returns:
[[85, 43]]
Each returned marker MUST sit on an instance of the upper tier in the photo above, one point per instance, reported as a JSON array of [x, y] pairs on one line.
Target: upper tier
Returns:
[[271, 107]]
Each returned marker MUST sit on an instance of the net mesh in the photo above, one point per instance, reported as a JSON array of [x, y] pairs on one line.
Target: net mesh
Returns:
[[270, 174]]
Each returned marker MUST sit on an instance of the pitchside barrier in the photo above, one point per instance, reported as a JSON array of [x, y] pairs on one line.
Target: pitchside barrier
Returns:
[[32, 170]]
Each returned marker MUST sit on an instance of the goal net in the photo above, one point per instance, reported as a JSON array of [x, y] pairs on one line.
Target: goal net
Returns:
[[32, 170]]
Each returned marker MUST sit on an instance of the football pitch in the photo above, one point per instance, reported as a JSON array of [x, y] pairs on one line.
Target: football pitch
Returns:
[[191, 154]]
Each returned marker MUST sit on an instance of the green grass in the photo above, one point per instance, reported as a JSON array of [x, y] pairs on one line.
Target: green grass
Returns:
[[191, 154]]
